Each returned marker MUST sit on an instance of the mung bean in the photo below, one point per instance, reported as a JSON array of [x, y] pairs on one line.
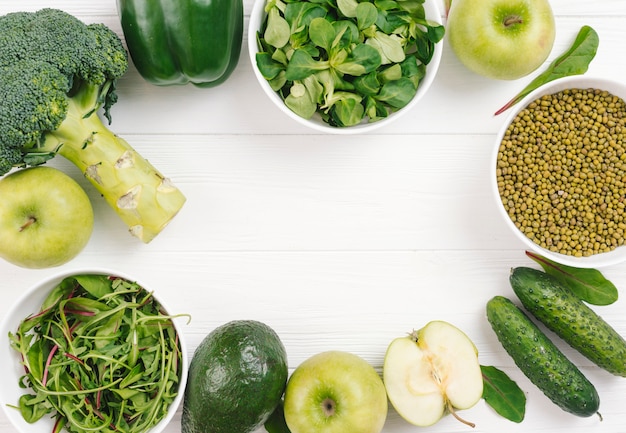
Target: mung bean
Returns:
[[561, 171]]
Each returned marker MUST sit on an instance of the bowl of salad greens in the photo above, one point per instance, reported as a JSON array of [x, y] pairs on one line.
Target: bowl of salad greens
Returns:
[[345, 66], [91, 351]]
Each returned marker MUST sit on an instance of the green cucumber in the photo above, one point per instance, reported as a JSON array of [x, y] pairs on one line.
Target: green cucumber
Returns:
[[540, 360], [552, 303]]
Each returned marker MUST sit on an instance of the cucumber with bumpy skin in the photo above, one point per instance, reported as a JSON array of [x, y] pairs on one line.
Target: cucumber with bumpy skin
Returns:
[[540, 360], [546, 298]]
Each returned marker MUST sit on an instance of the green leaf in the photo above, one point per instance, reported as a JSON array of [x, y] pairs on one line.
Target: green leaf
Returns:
[[97, 286], [322, 33], [362, 60], [277, 32], [302, 65], [276, 422], [389, 47], [397, 93], [367, 84], [348, 7], [349, 33], [503, 394], [299, 102], [33, 408], [347, 109], [366, 15], [375, 109], [267, 66], [35, 360], [412, 70], [278, 82], [587, 284], [575, 61], [392, 73], [300, 14]]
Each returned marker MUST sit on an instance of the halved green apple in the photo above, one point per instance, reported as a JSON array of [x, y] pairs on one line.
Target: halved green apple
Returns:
[[432, 372]]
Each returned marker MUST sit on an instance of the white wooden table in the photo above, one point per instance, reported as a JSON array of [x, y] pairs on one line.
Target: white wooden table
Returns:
[[337, 242]]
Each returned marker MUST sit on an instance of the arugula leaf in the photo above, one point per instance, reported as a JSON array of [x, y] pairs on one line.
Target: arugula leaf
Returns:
[[503, 394], [100, 356], [97, 285], [587, 284], [575, 61]]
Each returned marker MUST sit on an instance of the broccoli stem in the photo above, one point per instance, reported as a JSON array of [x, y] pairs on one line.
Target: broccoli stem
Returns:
[[143, 198]]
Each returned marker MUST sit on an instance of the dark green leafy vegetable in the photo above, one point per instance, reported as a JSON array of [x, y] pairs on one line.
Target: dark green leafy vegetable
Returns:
[[575, 61], [276, 422], [588, 285], [100, 355], [344, 59], [503, 394]]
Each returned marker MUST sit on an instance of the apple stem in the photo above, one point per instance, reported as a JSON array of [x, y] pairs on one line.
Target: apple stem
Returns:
[[512, 20], [454, 414], [29, 222]]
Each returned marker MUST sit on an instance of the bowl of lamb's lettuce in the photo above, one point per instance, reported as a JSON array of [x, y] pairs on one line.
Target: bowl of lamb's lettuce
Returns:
[[91, 351], [345, 66]]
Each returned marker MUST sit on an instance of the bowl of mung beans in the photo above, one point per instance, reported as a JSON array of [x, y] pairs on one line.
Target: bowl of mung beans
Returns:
[[560, 171]]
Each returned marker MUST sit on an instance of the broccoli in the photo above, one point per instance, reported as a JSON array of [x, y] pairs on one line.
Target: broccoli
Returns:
[[56, 74]]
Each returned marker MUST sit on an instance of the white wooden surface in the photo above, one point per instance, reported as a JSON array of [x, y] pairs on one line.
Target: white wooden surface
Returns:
[[337, 242]]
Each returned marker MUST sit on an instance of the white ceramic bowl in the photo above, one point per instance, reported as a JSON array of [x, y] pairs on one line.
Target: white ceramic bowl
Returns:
[[12, 370], [580, 82], [257, 17]]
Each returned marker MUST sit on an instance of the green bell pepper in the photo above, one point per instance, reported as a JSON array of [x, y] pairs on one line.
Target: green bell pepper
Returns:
[[183, 41]]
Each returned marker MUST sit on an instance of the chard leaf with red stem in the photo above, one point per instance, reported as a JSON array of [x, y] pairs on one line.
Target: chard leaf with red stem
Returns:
[[587, 284], [574, 61]]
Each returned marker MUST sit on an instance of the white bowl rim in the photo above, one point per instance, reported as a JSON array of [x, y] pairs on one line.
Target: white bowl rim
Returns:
[[424, 86], [9, 389], [617, 88]]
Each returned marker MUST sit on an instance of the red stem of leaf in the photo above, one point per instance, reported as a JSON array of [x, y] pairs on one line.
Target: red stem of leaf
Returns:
[[505, 107], [73, 357], [536, 257], [80, 313], [57, 425], [44, 380]]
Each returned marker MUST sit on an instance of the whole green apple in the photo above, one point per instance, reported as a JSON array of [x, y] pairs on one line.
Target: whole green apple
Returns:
[[501, 39], [46, 218], [335, 392]]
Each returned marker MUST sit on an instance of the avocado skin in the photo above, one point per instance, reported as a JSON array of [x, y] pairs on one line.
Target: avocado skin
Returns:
[[236, 379]]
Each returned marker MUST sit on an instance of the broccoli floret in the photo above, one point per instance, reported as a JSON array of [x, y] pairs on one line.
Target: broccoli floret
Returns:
[[56, 74]]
